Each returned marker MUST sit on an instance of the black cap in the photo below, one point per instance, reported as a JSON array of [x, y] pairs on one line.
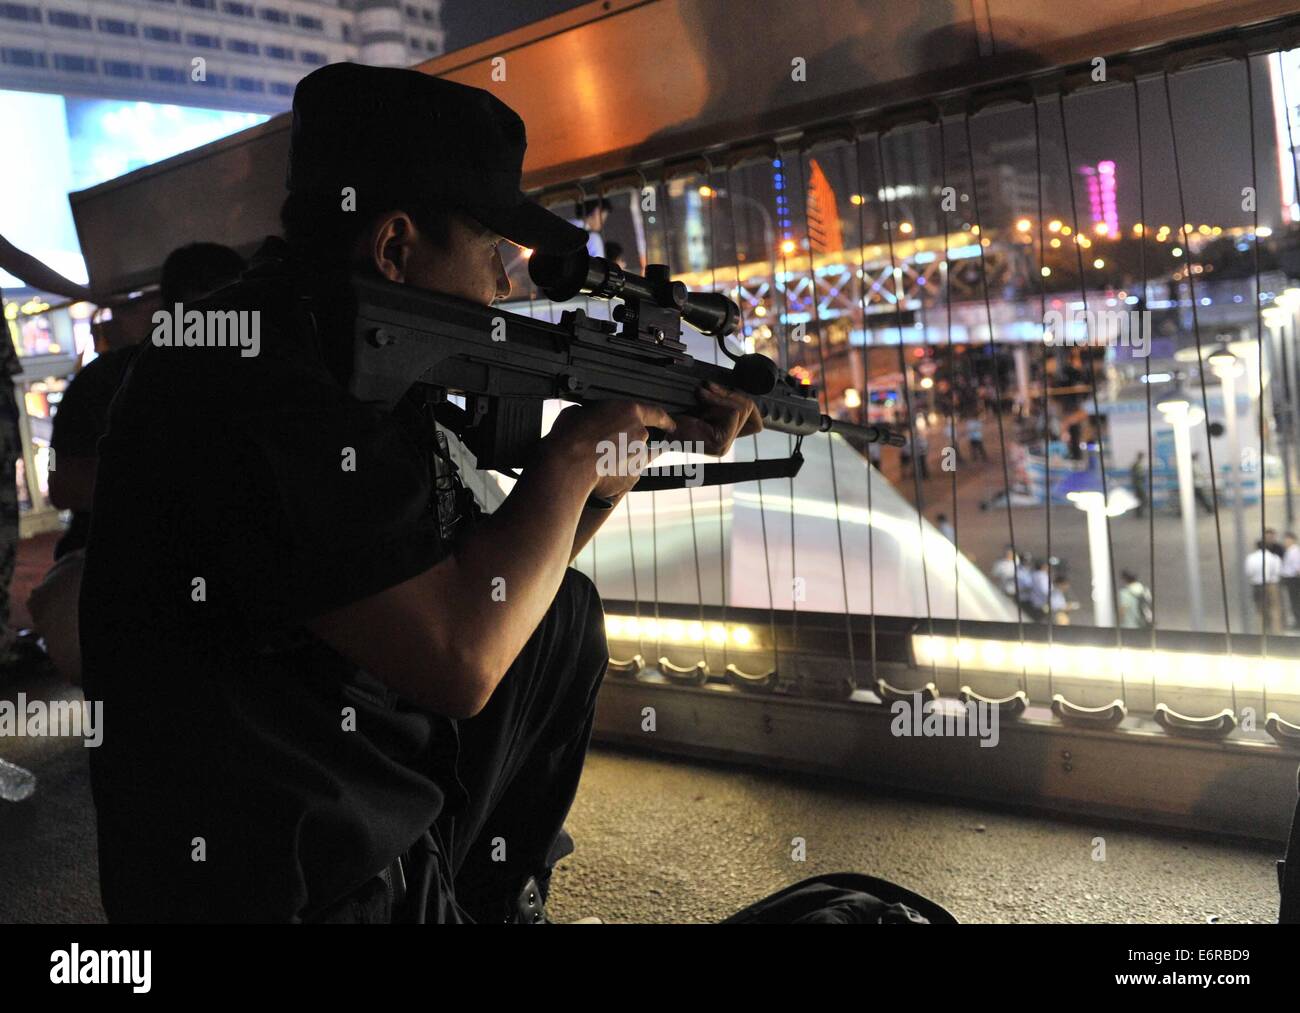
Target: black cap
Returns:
[[408, 133]]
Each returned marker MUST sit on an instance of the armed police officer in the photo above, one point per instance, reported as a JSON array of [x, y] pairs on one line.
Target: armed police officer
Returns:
[[319, 709]]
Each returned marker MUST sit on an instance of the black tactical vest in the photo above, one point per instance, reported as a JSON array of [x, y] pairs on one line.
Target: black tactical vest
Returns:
[[451, 501]]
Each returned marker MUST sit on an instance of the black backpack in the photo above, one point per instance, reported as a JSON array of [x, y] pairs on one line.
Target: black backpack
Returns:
[[843, 898], [1288, 874]]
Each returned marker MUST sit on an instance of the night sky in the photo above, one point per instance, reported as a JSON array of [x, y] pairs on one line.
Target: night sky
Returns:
[[471, 21], [1212, 119]]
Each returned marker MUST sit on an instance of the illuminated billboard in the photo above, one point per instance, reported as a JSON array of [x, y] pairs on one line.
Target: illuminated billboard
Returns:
[[59, 144], [1284, 76]]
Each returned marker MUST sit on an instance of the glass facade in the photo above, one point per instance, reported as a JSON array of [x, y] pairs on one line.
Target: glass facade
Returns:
[[1020, 291]]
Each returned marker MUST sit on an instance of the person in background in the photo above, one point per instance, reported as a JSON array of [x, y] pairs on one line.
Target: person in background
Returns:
[[1074, 435], [1025, 589], [15, 652], [188, 274], [614, 254], [1291, 576], [1003, 571], [948, 430], [975, 437], [1264, 571], [591, 216], [1138, 480], [945, 528], [1053, 426], [1201, 483], [922, 445], [1273, 543], [1062, 606], [1040, 592], [1135, 605]]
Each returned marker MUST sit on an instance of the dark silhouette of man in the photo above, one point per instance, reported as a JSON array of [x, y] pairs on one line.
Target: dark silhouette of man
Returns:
[[341, 693]]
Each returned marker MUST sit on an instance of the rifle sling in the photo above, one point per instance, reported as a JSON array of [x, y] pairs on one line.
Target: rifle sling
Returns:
[[724, 473], [658, 479]]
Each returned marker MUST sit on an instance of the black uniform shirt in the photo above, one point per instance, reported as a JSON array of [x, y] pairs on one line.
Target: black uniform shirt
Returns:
[[229, 785], [80, 422]]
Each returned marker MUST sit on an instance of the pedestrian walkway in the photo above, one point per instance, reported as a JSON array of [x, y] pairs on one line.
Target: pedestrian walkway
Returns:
[[983, 530]]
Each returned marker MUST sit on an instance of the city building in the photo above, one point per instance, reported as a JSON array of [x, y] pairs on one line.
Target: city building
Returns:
[[1009, 183], [219, 54], [92, 89]]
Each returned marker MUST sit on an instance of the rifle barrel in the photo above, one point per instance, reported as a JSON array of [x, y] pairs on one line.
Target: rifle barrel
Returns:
[[867, 433]]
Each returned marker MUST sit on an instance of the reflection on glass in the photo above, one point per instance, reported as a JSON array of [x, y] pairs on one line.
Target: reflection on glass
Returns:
[[1020, 304]]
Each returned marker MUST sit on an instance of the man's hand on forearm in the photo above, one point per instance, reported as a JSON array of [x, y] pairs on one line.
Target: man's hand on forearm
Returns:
[[444, 639], [722, 417], [529, 542], [591, 521]]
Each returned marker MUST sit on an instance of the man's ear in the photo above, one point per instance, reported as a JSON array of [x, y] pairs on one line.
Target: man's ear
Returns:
[[392, 239]]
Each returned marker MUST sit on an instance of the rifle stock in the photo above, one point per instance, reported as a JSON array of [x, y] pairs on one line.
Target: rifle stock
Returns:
[[506, 365]]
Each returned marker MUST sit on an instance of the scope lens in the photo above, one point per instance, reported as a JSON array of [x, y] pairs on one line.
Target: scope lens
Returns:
[[561, 272]]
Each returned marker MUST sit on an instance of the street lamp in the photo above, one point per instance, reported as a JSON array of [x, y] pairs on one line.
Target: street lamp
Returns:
[[769, 236], [1289, 300], [1182, 417], [1084, 490], [1227, 367], [1276, 319]]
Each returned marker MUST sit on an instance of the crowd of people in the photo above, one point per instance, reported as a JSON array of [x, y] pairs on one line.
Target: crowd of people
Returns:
[[1272, 568], [1273, 572], [1040, 586]]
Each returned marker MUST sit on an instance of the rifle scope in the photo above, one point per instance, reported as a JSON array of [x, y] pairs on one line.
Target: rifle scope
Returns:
[[563, 276]]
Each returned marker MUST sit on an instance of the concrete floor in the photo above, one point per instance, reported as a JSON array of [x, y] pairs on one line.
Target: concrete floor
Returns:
[[673, 841], [669, 841]]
